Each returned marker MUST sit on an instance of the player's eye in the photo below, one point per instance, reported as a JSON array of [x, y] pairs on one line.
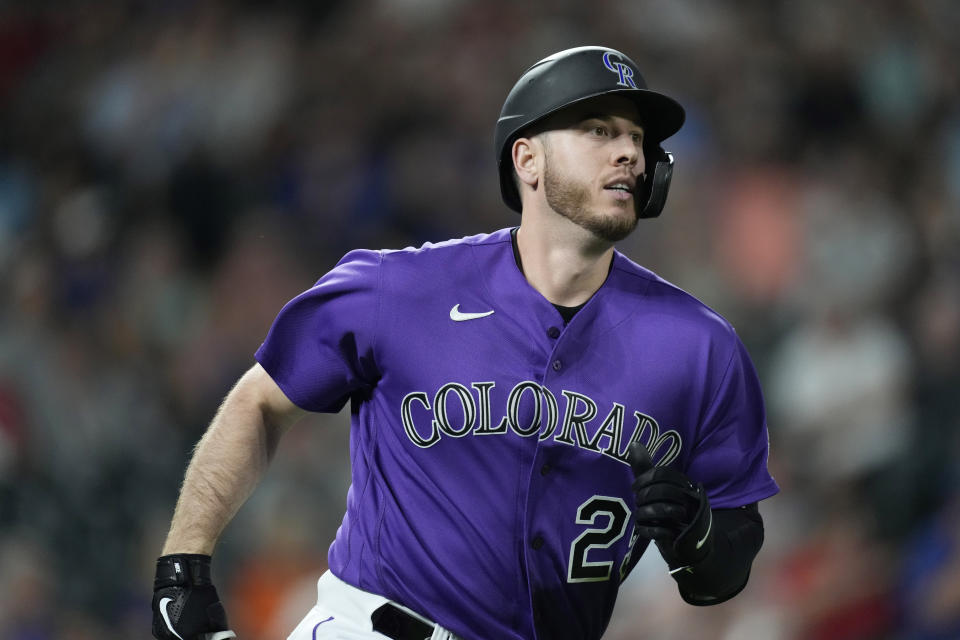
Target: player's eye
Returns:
[[598, 130], [637, 138]]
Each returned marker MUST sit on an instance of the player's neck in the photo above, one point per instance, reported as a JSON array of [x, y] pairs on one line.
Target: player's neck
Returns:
[[564, 265]]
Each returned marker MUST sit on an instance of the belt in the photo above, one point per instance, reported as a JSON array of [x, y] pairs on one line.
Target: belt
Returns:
[[394, 622]]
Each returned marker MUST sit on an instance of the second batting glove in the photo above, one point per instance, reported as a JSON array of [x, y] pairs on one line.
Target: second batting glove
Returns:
[[671, 510]]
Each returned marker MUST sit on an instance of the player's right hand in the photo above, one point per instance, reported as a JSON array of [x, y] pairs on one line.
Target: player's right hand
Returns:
[[185, 602]]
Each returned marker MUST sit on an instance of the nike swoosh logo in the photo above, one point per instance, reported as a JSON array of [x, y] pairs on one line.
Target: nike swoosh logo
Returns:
[[707, 534], [459, 316], [166, 616]]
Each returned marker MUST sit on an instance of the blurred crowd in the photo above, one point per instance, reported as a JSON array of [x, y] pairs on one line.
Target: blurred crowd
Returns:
[[172, 172]]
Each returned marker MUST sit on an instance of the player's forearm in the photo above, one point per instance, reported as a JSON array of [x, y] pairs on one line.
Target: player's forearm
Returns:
[[227, 464]]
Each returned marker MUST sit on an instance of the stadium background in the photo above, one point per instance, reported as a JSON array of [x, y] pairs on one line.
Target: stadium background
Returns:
[[172, 172]]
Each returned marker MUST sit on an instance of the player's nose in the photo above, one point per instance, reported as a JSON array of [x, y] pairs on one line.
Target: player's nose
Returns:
[[627, 152], [629, 155]]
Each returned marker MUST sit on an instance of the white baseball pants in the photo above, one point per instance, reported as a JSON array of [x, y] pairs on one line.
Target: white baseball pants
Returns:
[[343, 612]]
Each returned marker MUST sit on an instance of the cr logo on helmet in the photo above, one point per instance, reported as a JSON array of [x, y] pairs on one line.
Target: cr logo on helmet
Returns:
[[625, 72]]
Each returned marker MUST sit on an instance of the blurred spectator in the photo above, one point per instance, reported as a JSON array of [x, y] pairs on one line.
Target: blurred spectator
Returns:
[[839, 390], [838, 583], [930, 585]]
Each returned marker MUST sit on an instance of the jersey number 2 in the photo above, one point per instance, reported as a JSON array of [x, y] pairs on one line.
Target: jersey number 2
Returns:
[[613, 515]]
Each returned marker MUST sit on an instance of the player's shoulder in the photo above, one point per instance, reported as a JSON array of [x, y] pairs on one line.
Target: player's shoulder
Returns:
[[424, 253], [662, 297], [407, 270], [444, 251]]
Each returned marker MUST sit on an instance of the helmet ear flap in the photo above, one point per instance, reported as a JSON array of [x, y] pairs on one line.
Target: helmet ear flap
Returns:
[[652, 195]]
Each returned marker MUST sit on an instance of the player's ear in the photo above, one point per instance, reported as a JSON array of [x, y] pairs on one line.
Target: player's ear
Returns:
[[524, 153]]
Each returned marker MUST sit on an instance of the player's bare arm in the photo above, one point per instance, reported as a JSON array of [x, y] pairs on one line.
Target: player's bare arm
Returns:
[[229, 461]]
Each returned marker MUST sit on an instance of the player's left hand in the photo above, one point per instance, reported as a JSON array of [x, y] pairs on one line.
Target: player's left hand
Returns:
[[671, 510]]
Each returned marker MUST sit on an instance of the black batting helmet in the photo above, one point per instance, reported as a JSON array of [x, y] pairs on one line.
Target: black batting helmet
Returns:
[[571, 76]]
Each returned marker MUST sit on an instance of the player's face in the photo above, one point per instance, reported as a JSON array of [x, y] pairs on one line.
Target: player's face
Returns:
[[593, 163]]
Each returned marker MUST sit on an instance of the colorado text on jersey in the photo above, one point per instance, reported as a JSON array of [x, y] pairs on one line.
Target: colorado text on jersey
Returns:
[[455, 412]]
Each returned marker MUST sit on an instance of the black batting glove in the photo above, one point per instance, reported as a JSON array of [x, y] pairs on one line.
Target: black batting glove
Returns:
[[671, 510], [185, 602]]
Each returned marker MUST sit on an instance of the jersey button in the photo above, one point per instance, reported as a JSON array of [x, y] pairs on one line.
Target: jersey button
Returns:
[[545, 469], [537, 543], [557, 365], [553, 332]]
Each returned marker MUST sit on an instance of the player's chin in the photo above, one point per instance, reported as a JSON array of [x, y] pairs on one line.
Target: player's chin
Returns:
[[614, 226]]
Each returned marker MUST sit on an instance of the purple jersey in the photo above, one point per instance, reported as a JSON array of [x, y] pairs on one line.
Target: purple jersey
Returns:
[[490, 489]]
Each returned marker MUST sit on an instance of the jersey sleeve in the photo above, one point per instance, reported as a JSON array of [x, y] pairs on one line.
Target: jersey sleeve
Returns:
[[320, 348], [730, 456]]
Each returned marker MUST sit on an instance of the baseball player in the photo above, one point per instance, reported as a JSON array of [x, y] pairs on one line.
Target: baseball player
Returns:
[[529, 408]]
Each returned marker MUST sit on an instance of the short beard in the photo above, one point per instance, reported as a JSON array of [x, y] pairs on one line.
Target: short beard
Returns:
[[571, 200]]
